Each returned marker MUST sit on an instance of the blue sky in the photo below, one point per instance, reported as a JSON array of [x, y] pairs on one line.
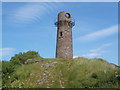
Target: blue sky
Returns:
[[30, 26]]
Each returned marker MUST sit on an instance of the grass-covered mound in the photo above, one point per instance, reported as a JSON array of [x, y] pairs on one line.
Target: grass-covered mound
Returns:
[[63, 73]]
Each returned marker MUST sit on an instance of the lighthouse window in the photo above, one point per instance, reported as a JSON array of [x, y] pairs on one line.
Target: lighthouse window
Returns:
[[61, 34], [67, 15]]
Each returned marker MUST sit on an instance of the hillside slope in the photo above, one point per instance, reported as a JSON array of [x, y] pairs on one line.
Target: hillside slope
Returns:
[[65, 73]]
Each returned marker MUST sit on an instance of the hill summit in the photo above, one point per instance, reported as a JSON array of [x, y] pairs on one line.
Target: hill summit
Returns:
[[64, 73]]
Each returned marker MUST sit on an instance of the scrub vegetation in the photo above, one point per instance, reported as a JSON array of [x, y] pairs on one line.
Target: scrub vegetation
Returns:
[[30, 70]]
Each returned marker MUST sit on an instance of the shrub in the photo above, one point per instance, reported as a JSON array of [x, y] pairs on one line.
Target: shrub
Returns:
[[7, 67], [22, 57]]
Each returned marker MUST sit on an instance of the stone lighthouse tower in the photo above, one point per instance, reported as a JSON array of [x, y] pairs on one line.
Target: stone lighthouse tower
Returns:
[[64, 35]]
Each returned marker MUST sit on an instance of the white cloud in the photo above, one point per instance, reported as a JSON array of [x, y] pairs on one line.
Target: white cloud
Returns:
[[27, 13], [32, 12], [101, 47], [91, 55], [6, 52], [99, 34], [96, 52], [75, 56]]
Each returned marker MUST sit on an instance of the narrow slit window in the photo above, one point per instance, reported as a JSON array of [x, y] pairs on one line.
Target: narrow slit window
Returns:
[[61, 34]]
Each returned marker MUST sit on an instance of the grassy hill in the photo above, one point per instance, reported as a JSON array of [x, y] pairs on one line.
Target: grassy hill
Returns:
[[65, 73]]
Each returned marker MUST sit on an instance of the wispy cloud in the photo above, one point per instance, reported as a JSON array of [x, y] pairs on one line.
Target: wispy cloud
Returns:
[[96, 52], [99, 34], [6, 52], [32, 12]]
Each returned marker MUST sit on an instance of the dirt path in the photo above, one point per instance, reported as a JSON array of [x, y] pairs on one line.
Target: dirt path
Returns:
[[69, 66], [61, 80]]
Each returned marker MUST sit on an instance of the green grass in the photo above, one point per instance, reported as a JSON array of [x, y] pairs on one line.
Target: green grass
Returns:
[[73, 73]]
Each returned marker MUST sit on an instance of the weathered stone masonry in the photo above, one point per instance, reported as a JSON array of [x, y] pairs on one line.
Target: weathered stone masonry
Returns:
[[64, 35]]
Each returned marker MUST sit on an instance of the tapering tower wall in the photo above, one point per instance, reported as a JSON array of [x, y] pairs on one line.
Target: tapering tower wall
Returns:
[[64, 47]]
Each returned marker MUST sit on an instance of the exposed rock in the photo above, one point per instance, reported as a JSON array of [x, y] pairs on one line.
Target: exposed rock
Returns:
[[31, 61], [32, 74], [48, 64]]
